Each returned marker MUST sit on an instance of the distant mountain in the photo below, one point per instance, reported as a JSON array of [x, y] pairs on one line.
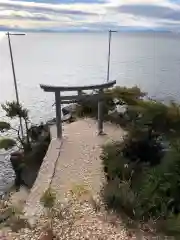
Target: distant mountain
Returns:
[[120, 29]]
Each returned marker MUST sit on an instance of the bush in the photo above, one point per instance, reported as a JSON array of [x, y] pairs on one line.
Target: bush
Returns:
[[48, 198], [121, 158], [160, 190], [143, 191], [129, 95], [119, 196], [115, 165], [164, 119], [4, 126], [143, 146], [7, 143]]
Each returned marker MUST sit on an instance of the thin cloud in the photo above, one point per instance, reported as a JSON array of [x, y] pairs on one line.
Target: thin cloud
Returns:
[[151, 11], [76, 8], [91, 15]]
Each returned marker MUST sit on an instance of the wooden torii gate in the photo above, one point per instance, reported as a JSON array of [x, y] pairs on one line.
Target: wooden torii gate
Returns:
[[59, 99]]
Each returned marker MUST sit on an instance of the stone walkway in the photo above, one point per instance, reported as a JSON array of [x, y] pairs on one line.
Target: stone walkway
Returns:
[[79, 162]]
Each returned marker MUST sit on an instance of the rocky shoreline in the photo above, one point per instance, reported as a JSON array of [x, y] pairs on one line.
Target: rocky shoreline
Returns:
[[19, 168]]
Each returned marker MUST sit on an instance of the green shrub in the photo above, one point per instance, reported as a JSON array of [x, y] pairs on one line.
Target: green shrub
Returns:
[[120, 197], [48, 198], [4, 126], [163, 118], [143, 146], [115, 165], [144, 192], [7, 143], [129, 95]]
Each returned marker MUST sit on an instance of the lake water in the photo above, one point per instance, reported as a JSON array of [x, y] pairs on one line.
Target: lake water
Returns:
[[151, 61]]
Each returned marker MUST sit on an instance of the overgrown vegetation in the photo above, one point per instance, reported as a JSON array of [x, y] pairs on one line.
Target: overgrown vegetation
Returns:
[[142, 171], [48, 200], [15, 110], [5, 142], [32, 144]]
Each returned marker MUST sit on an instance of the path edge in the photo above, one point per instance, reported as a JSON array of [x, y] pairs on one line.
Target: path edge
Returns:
[[33, 208]]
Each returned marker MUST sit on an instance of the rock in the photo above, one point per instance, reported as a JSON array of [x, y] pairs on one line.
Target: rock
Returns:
[[36, 132], [47, 235], [17, 164], [16, 159], [69, 109], [51, 122], [66, 117], [17, 154], [66, 114], [119, 108]]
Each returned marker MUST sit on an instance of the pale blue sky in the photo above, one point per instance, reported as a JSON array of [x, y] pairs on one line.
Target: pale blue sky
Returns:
[[92, 15]]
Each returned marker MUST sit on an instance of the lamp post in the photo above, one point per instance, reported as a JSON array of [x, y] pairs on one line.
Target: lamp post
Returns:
[[109, 53], [14, 75]]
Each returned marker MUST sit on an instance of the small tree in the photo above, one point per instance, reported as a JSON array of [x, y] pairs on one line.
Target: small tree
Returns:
[[14, 110]]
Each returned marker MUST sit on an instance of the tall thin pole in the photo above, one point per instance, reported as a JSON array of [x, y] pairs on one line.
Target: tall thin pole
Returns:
[[15, 82], [109, 54]]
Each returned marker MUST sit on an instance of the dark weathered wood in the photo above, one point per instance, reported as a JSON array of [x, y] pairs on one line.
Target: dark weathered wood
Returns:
[[96, 96], [76, 99], [49, 88], [100, 113], [79, 97], [58, 114], [68, 101]]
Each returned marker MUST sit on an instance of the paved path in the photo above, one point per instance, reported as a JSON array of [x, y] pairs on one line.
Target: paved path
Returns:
[[79, 161]]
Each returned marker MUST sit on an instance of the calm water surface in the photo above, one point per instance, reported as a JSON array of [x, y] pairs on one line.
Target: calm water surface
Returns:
[[151, 61]]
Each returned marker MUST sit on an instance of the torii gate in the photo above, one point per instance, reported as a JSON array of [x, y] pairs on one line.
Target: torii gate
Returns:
[[75, 98]]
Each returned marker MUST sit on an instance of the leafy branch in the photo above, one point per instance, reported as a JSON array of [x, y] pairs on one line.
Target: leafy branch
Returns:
[[14, 110]]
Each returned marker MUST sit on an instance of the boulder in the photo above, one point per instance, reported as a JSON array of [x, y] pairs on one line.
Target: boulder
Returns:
[[17, 164], [69, 109], [36, 132], [66, 114]]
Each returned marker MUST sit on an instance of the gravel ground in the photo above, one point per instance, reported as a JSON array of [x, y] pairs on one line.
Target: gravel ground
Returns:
[[81, 217], [79, 161], [78, 219], [74, 220]]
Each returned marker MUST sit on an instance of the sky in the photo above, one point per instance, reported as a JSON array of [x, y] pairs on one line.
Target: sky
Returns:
[[89, 15]]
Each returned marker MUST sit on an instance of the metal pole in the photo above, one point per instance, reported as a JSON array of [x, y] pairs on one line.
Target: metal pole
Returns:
[[14, 77], [109, 54]]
